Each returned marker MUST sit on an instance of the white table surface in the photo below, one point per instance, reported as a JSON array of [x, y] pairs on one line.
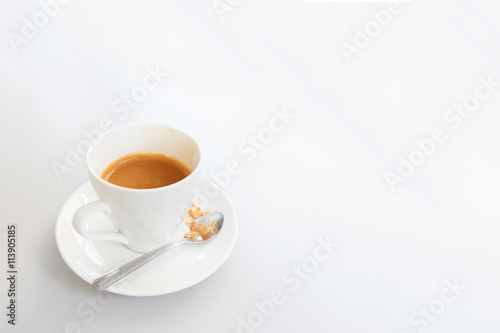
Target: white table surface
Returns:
[[321, 176]]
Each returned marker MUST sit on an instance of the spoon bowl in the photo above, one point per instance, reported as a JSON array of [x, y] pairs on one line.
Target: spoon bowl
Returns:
[[207, 220]]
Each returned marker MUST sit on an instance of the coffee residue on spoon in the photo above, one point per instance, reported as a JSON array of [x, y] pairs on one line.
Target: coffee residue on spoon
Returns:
[[205, 230]]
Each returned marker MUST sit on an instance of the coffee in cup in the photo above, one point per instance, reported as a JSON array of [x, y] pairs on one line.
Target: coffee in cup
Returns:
[[145, 170]]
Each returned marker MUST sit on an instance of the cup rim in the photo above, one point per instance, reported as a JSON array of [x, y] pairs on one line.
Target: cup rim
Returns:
[[138, 190]]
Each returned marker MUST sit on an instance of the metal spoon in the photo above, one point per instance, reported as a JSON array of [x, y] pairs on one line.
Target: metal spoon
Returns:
[[116, 275]]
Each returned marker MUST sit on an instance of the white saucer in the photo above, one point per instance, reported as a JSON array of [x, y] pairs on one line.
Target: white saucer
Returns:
[[180, 269]]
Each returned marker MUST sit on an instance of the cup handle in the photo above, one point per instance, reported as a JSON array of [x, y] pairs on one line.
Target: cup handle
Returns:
[[81, 226]]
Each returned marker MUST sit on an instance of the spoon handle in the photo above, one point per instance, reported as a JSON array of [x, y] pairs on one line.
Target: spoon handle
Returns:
[[106, 281]]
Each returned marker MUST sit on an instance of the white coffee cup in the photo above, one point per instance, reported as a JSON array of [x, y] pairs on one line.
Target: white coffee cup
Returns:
[[145, 218]]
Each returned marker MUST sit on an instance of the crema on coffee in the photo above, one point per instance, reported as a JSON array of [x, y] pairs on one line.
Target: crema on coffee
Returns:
[[145, 171]]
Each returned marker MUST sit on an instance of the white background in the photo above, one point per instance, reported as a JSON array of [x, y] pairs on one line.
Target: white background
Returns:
[[322, 176]]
